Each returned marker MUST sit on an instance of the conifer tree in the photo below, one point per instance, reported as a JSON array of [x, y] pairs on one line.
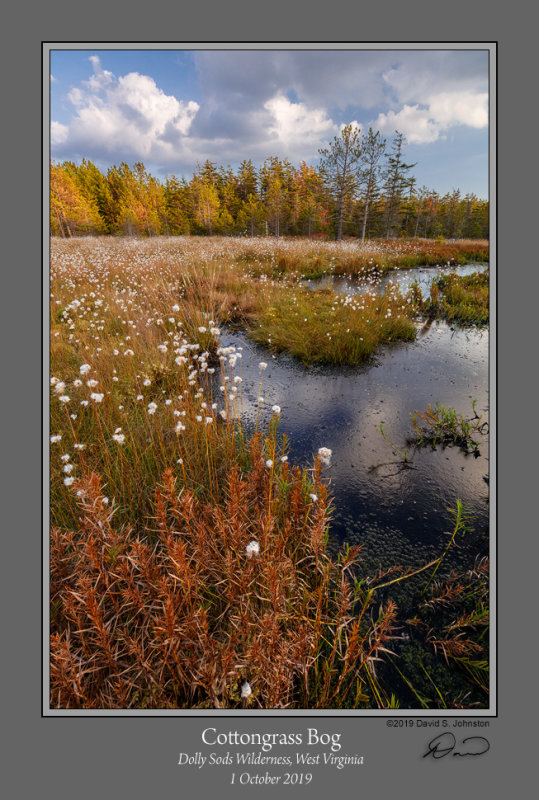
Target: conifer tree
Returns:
[[338, 166], [396, 183], [373, 148]]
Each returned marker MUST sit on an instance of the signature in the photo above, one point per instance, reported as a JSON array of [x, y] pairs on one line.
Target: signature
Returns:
[[445, 743]]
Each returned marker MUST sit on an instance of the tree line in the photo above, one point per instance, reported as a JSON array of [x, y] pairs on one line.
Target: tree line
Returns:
[[361, 188]]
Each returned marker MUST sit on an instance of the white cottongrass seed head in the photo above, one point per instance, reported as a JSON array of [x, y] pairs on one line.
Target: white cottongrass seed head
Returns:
[[252, 549], [324, 454]]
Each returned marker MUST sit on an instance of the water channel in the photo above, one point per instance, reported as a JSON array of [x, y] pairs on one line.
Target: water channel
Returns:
[[399, 512]]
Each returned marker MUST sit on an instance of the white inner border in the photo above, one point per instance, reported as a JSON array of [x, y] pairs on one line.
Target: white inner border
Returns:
[[420, 713]]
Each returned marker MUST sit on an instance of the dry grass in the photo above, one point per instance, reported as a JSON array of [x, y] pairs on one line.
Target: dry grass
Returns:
[[179, 615], [312, 259]]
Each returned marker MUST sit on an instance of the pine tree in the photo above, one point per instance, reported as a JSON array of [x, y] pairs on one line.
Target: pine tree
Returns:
[[373, 148], [338, 166], [396, 183]]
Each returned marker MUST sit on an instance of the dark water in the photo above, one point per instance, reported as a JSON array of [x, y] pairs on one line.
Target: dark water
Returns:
[[399, 512], [403, 278]]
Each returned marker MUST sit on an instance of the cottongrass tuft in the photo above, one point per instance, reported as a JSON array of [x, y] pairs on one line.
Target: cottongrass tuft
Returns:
[[324, 454], [252, 549]]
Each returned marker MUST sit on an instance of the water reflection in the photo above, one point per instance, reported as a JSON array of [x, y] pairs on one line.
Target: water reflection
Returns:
[[403, 278], [395, 510]]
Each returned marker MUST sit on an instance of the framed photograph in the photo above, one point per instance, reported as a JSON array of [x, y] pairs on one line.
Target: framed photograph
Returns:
[[270, 291]]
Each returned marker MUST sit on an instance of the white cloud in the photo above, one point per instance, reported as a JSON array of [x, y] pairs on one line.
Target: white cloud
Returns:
[[461, 108], [442, 111], [59, 133], [124, 117], [414, 122], [295, 126]]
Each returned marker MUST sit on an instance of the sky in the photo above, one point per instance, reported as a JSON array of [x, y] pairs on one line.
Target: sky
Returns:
[[174, 109]]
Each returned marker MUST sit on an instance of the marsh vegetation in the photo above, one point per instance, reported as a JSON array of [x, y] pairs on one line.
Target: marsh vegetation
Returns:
[[207, 549]]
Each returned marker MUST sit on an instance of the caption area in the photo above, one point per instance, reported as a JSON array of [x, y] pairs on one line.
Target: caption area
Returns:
[[254, 763]]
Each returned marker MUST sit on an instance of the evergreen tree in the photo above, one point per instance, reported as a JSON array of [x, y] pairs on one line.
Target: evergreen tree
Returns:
[[338, 166], [373, 148], [396, 183]]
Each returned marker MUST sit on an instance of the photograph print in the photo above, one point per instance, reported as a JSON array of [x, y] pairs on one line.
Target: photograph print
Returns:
[[269, 378]]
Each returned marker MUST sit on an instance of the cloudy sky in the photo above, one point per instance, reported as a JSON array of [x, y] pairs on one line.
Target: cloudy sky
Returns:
[[173, 109]]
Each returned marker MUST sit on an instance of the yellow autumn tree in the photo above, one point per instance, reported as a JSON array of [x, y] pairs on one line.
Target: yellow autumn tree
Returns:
[[71, 213]]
